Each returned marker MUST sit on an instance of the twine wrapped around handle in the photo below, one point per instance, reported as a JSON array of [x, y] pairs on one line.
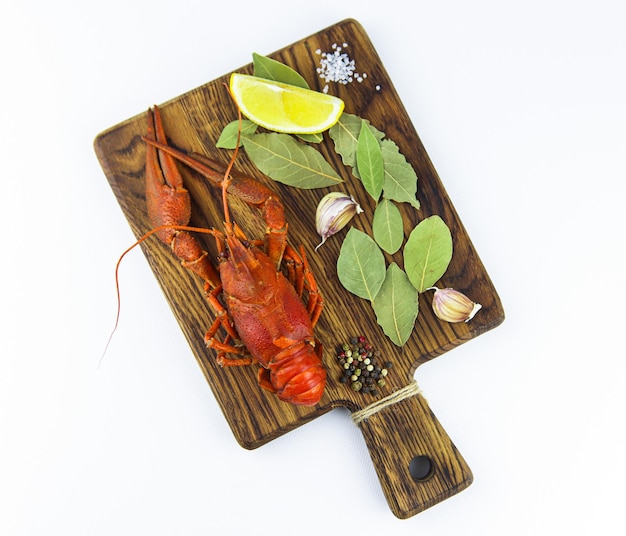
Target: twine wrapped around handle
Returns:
[[410, 390]]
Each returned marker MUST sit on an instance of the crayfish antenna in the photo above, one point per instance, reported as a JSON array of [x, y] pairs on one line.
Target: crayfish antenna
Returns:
[[117, 270], [229, 168], [119, 301], [117, 286]]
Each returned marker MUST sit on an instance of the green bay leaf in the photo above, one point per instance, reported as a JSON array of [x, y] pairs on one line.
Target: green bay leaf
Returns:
[[427, 252], [345, 136], [228, 137], [400, 182], [311, 138], [271, 69], [387, 226], [285, 160], [361, 265], [396, 305], [369, 162]]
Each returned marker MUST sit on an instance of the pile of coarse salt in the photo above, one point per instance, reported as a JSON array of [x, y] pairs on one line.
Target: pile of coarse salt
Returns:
[[336, 66]]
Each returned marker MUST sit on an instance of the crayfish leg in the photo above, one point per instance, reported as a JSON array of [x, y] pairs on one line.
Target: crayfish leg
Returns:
[[300, 275], [224, 361], [224, 348], [222, 319], [295, 269]]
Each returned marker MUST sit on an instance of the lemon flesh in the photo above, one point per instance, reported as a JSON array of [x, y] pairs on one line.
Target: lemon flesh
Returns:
[[284, 108]]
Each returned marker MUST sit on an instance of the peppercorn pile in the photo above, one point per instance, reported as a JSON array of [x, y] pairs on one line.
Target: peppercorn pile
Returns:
[[360, 366]]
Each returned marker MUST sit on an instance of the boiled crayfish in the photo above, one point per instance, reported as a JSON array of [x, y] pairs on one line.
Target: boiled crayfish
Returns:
[[260, 309]]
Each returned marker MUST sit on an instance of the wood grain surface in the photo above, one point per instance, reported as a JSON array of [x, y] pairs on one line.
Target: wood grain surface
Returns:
[[401, 432]]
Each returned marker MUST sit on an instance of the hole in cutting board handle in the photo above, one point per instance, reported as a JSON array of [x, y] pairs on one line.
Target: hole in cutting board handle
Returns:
[[421, 468]]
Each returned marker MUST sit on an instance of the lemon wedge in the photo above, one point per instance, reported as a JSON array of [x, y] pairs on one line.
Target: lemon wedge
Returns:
[[284, 108]]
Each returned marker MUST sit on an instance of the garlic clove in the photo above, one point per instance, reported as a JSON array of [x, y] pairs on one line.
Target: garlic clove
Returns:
[[453, 306], [333, 213]]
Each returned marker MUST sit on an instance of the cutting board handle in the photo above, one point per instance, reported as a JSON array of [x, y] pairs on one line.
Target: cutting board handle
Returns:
[[417, 463]]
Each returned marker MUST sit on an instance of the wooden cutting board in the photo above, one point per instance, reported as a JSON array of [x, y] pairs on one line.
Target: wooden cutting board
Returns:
[[405, 438]]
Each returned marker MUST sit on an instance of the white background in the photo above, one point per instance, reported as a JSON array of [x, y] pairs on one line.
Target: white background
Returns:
[[521, 106]]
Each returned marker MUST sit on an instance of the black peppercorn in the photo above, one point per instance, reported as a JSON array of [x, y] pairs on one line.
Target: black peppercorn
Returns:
[[359, 362]]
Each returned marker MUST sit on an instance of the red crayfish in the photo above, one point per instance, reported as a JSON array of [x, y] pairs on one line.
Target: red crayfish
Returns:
[[260, 309]]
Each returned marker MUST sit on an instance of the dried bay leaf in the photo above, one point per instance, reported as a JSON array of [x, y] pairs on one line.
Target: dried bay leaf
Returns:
[[400, 177], [345, 135], [361, 265], [396, 305], [400, 182], [229, 135], [284, 160], [387, 226], [428, 252], [369, 159], [271, 69], [311, 138]]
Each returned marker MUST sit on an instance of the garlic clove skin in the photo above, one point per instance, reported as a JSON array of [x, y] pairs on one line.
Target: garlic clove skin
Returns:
[[334, 211], [453, 306]]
